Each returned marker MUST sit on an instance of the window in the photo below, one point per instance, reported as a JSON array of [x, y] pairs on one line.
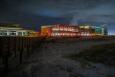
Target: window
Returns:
[[12, 33], [19, 33], [4, 33], [1, 33], [25, 33]]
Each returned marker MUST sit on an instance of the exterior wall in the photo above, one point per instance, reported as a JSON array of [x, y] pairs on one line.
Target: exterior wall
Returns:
[[59, 31], [11, 29], [13, 33], [15, 30], [19, 33], [46, 31], [32, 33], [85, 31], [93, 30], [64, 31], [104, 31]]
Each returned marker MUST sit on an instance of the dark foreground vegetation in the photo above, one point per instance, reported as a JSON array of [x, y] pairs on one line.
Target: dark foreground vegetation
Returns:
[[104, 53]]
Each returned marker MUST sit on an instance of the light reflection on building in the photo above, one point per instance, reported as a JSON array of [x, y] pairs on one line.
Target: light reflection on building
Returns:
[[15, 30], [63, 30]]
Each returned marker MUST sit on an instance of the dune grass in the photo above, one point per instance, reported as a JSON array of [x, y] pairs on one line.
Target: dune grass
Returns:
[[104, 53]]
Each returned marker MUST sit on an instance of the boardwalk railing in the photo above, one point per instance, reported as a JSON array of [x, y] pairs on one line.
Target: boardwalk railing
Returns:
[[13, 47]]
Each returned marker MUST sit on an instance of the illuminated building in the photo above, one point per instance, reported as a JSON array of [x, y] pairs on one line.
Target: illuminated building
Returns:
[[104, 30], [62, 30], [46, 30], [32, 33], [85, 30], [59, 30], [94, 30], [99, 30], [10, 29]]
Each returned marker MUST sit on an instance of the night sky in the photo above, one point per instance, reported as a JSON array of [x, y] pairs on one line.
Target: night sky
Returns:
[[41, 12]]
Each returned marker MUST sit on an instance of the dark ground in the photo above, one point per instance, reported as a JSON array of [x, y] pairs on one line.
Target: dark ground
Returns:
[[49, 62]]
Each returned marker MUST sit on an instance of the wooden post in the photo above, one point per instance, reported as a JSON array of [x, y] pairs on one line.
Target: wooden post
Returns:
[[21, 50], [28, 45], [5, 52], [15, 46]]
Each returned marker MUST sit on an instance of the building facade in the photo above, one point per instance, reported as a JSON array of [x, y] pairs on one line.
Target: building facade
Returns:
[[62, 30], [59, 30], [14, 30]]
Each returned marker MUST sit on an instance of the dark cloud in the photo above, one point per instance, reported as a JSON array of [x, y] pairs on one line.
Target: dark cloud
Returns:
[[59, 7], [74, 10]]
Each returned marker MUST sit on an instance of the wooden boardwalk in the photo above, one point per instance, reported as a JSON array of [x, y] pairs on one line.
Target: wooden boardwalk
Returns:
[[13, 47], [21, 47]]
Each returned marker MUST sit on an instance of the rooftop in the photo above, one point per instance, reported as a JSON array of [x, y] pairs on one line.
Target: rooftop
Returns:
[[11, 25]]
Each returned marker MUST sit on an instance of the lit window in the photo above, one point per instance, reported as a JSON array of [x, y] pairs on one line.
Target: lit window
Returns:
[[24, 33], [58, 34], [65, 33], [53, 34], [72, 30], [65, 29], [20, 33], [76, 30], [75, 34], [12, 33], [71, 34], [88, 34], [61, 29], [55, 29], [1, 33], [68, 29]]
